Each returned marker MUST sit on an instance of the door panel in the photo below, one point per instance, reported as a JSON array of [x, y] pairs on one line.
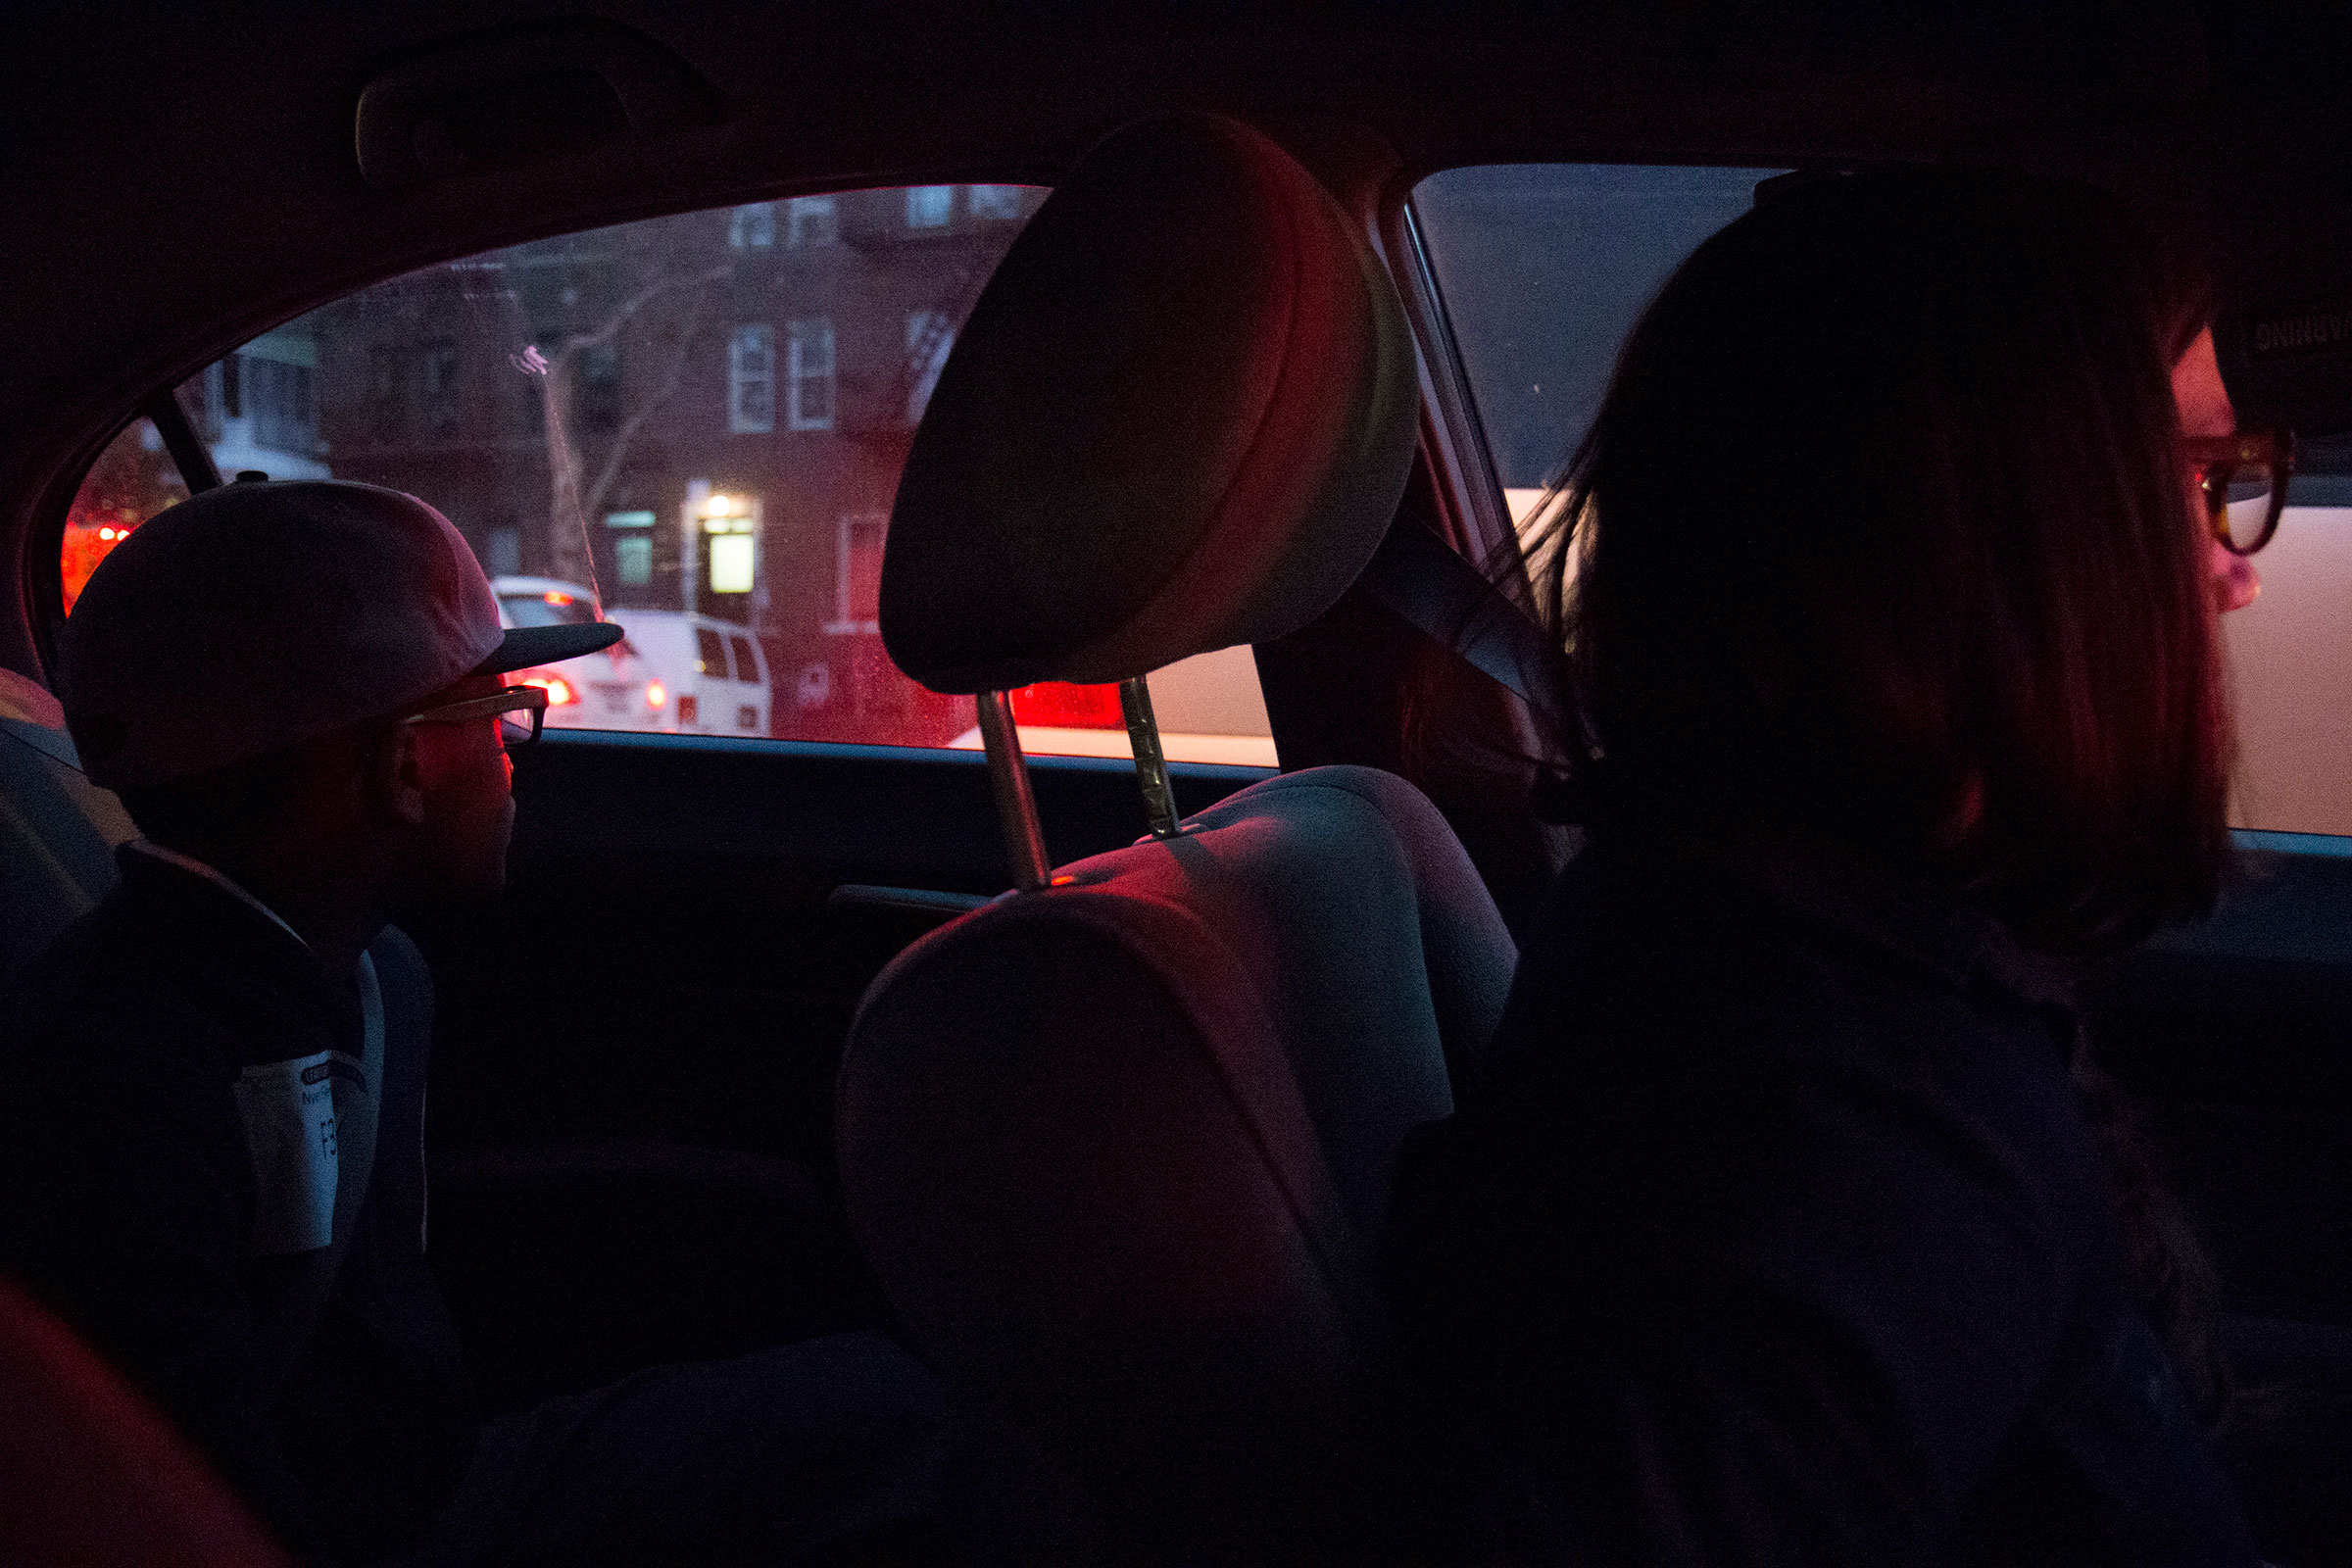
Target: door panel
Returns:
[[2237, 1035], [632, 1098]]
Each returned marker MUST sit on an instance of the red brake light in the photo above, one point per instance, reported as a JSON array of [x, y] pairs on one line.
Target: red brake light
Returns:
[[557, 598], [1070, 706], [655, 694], [559, 690]]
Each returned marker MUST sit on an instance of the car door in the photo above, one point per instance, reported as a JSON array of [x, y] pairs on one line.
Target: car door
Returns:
[[700, 417]]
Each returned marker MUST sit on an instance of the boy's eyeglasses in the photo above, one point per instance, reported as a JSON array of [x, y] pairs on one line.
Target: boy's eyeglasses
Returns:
[[518, 710], [2244, 479]]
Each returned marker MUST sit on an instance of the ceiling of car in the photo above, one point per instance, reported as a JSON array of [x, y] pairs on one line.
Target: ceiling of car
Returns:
[[179, 177]]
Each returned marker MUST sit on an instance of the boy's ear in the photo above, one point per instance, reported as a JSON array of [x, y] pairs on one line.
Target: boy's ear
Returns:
[[399, 780]]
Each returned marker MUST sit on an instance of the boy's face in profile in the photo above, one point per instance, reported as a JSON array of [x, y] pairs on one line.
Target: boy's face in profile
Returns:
[[463, 775]]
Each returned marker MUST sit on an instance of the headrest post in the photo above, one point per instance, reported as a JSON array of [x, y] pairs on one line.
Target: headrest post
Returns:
[[1151, 764], [1016, 807]]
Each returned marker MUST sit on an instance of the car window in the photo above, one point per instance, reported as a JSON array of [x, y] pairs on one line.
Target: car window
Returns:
[[747, 663], [709, 653], [132, 480], [686, 419], [546, 607], [1544, 268], [2290, 660]]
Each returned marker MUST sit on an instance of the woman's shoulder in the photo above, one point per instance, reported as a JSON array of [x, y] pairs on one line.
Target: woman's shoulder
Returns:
[[1671, 967]]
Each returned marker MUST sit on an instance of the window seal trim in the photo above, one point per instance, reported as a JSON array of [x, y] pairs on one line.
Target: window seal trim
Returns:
[[1460, 456]]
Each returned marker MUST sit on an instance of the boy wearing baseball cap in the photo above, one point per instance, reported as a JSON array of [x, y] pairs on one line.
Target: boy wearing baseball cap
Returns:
[[211, 1094]]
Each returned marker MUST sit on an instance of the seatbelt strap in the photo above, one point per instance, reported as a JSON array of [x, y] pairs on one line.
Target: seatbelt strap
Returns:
[[1426, 583]]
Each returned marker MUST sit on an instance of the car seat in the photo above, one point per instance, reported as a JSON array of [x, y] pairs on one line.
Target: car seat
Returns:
[[90, 1475], [57, 830], [1119, 1143]]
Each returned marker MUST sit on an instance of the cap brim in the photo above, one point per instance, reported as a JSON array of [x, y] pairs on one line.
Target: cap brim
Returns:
[[525, 645]]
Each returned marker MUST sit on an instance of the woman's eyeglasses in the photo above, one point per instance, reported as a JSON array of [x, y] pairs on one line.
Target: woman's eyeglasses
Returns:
[[518, 710], [2244, 479]]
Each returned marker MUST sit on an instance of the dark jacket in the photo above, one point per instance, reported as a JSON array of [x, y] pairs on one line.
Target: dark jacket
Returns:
[[323, 1385], [1770, 1231]]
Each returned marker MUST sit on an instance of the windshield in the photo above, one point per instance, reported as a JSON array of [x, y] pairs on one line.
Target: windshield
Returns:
[[547, 609]]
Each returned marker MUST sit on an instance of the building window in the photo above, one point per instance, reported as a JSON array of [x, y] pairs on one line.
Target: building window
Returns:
[[282, 399], [930, 334], [439, 388], [992, 201], [858, 575], [811, 220], [600, 386], [929, 206], [752, 378], [753, 226], [812, 387], [505, 552], [633, 555]]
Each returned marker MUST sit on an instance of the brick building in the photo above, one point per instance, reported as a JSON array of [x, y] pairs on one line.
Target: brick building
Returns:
[[705, 412]]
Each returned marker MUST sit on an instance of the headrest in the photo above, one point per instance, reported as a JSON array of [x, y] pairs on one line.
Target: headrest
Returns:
[[1180, 417]]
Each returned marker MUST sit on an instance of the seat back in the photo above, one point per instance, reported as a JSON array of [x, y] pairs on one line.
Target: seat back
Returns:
[[1118, 1146], [57, 830], [89, 1474], [1120, 1151]]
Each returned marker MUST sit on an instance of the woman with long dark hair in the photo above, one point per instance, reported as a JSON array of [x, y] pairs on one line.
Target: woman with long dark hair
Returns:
[[1772, 1228]]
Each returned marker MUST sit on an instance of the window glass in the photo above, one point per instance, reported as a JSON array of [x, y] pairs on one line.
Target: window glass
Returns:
[[693, 425], [1543, 269], [543, 607], [747, 663], [709, 653], [754, 225], [2290, 659], [132, 480], [929, 206], [816, 220]]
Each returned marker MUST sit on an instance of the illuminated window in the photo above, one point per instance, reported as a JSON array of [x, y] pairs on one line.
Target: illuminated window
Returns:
[[811, 220], [734, 562], [752, 227], [809, 364], [929, 206], [751, 380]]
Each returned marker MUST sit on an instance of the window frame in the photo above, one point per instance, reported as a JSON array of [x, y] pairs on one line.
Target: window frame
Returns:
[[752, 227], [1453, 439], [801, 213], [742, 378], [797, 373], [41, 565]]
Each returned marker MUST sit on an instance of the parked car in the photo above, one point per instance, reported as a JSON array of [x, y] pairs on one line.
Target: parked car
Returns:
[[715, 674], [615, 689]]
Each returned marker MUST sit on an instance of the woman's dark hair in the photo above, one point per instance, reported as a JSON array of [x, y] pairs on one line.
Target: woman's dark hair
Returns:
[[1882, 531]]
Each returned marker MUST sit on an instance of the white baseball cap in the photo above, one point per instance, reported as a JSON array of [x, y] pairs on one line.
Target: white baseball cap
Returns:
[[261, 614]]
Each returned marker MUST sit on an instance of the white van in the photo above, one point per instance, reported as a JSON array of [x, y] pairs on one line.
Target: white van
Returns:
[[615, 689], [715, 671]]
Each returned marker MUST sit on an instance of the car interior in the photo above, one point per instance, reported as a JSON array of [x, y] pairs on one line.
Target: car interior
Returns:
[[838, 1026]]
